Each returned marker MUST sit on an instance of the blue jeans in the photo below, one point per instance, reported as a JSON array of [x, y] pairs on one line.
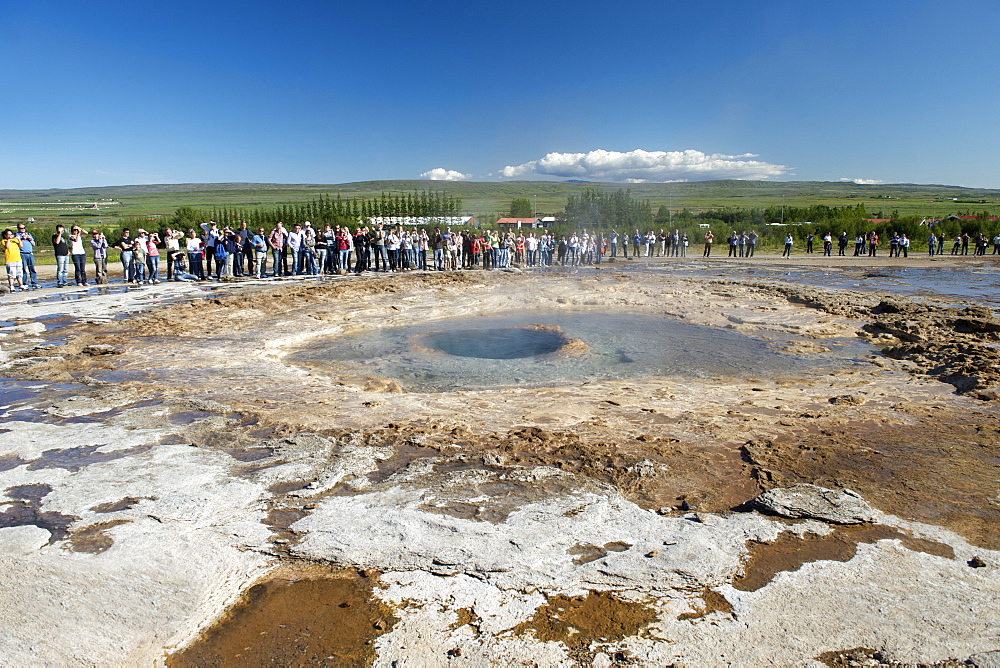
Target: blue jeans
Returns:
[[344, 260], [80, 268], [194, 265], [296, 260], [28, 269], [128, 267], [308, 262], [439, 258], [62, 269], [153, 262]]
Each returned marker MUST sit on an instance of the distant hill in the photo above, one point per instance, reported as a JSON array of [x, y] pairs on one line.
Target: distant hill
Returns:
[[486, 199]]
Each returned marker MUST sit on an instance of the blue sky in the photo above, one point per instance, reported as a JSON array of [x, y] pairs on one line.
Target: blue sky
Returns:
[[112, 93]]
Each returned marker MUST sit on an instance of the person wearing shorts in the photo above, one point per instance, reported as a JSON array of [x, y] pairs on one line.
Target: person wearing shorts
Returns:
[[12, 258]]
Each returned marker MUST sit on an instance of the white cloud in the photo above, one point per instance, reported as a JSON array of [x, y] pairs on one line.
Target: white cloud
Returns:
[[639, 165], [442, 174], [862, 182]]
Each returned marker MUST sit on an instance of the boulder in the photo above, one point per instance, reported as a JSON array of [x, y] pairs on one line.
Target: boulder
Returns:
[[842, 506]]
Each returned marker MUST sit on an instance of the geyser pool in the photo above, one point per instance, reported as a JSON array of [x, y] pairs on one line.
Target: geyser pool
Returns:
[[500, 343], [544, 348]]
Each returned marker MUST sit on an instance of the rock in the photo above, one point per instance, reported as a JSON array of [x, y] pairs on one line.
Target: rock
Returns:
[[30, 328], [977, 562], [101, 349], [810, 501], [985, 659], [847, 400]]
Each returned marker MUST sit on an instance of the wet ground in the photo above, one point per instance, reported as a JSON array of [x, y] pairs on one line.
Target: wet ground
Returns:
[[240, 455]]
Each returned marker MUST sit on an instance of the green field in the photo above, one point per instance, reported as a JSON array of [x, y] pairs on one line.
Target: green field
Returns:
[[484, 199]]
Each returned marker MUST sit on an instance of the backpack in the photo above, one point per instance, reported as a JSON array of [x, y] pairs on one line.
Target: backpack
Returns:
[[220, 251]]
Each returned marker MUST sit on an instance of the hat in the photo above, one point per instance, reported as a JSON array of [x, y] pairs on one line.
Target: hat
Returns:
[[308, 224], [95, 231]]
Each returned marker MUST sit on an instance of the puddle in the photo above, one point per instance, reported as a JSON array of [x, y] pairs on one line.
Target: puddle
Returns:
[[26, 510], [279, 521], [789, 552], [300, 616], [579, 621], [74, 459], [250, 454], [586, 552], [710, 601], [122, 504], [537, 349], [8, 462], [184, 418], [93, 539]]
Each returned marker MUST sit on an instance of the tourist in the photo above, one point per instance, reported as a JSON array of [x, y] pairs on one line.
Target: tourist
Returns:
[[210, 233], [29, 278], [872, 244], [309, 250], [141, 250], [12, 259], [787, 252], [171, 245], [60, 245], [78, 253], [751, 243], [126, 245], [733, 240], [361, 250], [932, 244], [956, 245], [153, 257], [277, 243], [259, 244], [294, 244], [965, 243], [244, 250], [904, 246], [99, 246], [194, 248], [827, 244], [709, 239]]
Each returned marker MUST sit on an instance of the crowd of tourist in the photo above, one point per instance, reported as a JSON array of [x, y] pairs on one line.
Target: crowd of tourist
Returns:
[[215, 251]]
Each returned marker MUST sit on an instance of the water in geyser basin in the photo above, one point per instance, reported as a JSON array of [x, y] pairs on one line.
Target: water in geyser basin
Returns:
[[541, 349]]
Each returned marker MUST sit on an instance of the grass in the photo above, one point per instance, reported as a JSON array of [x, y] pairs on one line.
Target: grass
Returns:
[[482, 199]]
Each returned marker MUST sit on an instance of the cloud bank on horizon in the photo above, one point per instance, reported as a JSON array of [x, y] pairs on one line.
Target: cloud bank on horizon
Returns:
[[641, 166]]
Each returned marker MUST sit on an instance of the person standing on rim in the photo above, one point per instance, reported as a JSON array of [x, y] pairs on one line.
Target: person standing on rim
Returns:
[[276, 242], [60, 243], [709, 240], [99, 245], [79, 254], [29, 279], [12, 259], [787, 252], [126, 244]]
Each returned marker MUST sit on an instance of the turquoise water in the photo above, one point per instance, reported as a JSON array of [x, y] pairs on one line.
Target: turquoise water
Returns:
[[525, 349]]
